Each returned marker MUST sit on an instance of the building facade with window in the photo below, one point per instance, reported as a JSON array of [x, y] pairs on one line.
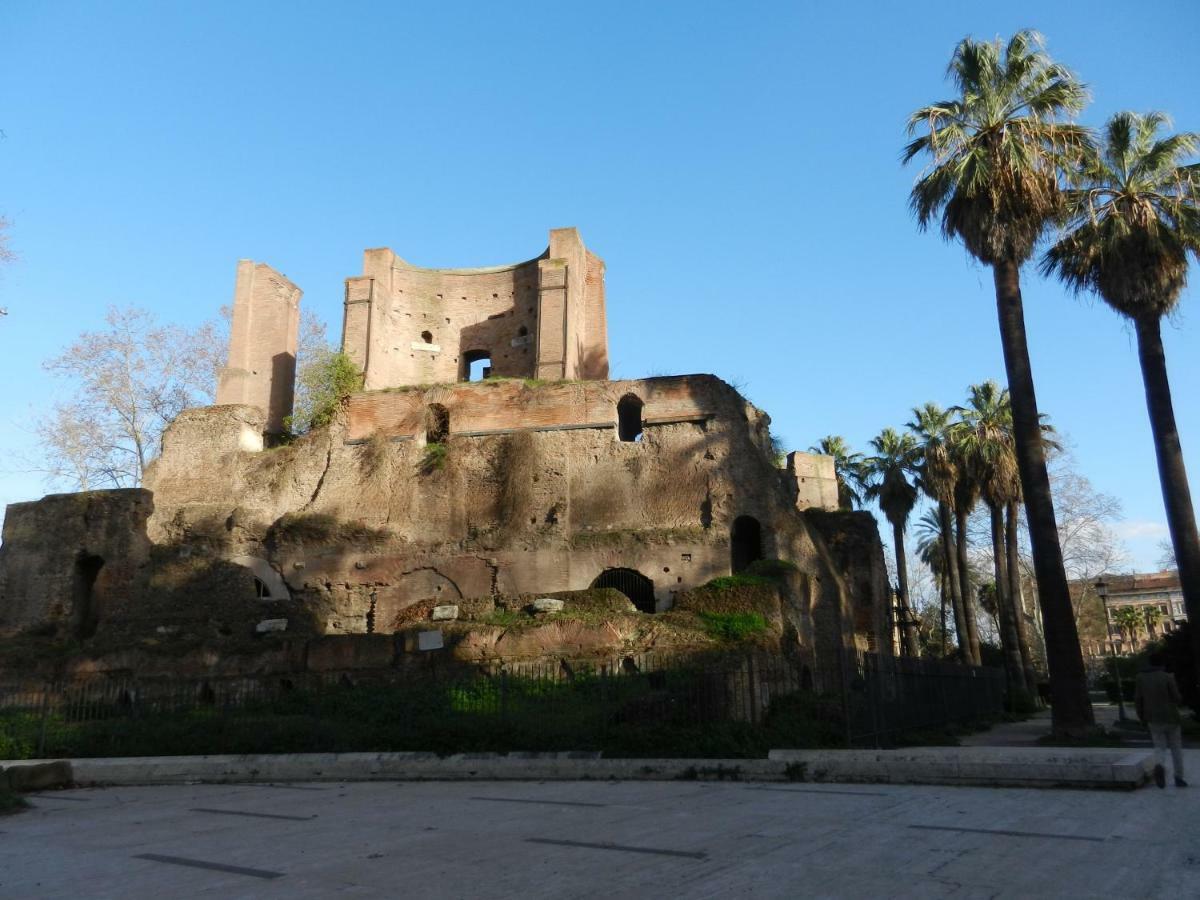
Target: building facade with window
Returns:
[[1140, 608]]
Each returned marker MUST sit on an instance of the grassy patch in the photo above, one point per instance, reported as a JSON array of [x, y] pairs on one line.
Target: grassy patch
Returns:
[[732, 626], [729, 582]]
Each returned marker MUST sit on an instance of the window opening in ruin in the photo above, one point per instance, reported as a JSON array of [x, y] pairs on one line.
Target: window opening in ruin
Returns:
[[477, 365], [629, 418], [84, 615], [427, 337], [630, 582], [745, 543], [437, 424], [261, 591], [522, 331]]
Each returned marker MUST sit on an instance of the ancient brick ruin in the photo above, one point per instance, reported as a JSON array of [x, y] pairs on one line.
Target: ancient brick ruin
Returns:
[[440, 503]]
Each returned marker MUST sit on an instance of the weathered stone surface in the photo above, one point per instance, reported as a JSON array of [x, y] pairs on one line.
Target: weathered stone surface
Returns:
[[271, 625], [547, 605], [443, 613], [335, 653], [359, 530], [39, 776]]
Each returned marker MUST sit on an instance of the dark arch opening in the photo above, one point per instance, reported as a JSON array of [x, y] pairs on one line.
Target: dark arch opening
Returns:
[[745, 543], [630, 582], [84, 615], [437, 424], [522, 331], [629, 418], [477, 365], [427, 337]]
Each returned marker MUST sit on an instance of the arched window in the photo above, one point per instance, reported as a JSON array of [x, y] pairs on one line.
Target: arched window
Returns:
[[437, 424], [629, 418], [84, 614], [522, 331], [630, 582], [745, 543], [477, 365], [427, 337]]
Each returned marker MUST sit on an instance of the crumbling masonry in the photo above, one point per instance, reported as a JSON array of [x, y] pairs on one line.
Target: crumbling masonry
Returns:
[[487, 461]]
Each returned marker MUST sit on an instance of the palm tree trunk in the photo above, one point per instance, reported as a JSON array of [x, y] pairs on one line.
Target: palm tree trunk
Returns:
[[1071, 709], [949, 546], [964, 582], [908, 625], [1013, 554], [1177, 497], [944, 592], [1013, 669]]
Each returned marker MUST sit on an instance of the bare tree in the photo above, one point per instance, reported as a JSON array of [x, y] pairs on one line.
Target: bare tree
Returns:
[[128, 380], [1166, 555]]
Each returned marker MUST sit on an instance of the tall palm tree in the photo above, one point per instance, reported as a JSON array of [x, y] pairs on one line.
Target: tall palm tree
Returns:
[[987, 443], [1134, 219], [966, 496], [935, 553], [932, 426], [995, 152], [847, 466], [896, 456]]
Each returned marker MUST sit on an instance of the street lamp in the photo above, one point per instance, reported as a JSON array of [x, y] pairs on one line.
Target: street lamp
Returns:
[[1102, 591]]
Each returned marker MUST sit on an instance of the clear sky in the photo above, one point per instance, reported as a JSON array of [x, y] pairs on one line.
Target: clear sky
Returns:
[[735, 164]]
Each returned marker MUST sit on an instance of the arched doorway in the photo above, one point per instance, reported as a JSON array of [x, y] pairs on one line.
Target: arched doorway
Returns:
[[629, 418], [630, 582], [745, 543], [84, 614]]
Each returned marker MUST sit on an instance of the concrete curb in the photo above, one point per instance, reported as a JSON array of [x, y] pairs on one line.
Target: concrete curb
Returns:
[[1114, 769], [978, 766]]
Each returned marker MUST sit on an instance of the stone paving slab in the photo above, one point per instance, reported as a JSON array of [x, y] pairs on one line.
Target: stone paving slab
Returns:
[[600, 839], [1009, 766]]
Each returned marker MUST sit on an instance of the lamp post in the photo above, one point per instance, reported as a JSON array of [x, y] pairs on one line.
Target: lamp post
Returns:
[[1102, 591]]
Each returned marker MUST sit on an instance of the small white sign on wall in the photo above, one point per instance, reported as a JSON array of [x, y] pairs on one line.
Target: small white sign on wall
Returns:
[[430, 640]]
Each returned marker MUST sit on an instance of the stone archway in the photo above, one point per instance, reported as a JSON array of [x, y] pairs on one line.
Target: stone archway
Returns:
[[632, 583]]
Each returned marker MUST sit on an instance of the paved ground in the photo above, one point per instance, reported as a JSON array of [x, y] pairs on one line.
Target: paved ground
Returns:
[[601, 839]]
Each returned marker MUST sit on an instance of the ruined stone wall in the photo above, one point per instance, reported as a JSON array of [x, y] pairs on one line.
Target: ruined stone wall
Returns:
[[406, 325], [263, 333], [531, 492], [67, 559]]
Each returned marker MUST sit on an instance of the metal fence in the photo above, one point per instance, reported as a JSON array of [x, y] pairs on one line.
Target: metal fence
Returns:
[[632, 705]]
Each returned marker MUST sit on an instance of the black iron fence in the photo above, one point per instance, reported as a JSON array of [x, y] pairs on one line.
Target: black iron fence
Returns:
[[646, 705]]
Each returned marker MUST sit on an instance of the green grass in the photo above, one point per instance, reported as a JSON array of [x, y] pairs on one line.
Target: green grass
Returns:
[[434, 458], [729, 582], [732, 626]]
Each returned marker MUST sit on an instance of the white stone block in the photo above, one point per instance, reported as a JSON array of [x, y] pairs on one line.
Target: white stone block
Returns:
[[547, 605], [444, 613], [271, 625]]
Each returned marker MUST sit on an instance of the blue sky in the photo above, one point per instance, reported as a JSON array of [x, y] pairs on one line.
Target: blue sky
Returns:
[[736, 164]]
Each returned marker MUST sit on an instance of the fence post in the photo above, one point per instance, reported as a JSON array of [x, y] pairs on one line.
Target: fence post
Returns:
[[41, 741]]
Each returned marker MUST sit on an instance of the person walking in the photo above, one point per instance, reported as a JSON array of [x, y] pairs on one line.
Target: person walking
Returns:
[[1157, 701]]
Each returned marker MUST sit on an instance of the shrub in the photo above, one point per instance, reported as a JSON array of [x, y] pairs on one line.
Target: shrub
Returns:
[[321, 386], [434, 458]]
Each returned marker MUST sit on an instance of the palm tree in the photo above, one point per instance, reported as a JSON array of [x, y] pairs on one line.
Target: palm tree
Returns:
[[966, 495], [847, 466], [1134, 218], [1129, 619], [896, 455], [934, 552], [1153, 616], [986, 442], [993, 180], [932, 426]]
